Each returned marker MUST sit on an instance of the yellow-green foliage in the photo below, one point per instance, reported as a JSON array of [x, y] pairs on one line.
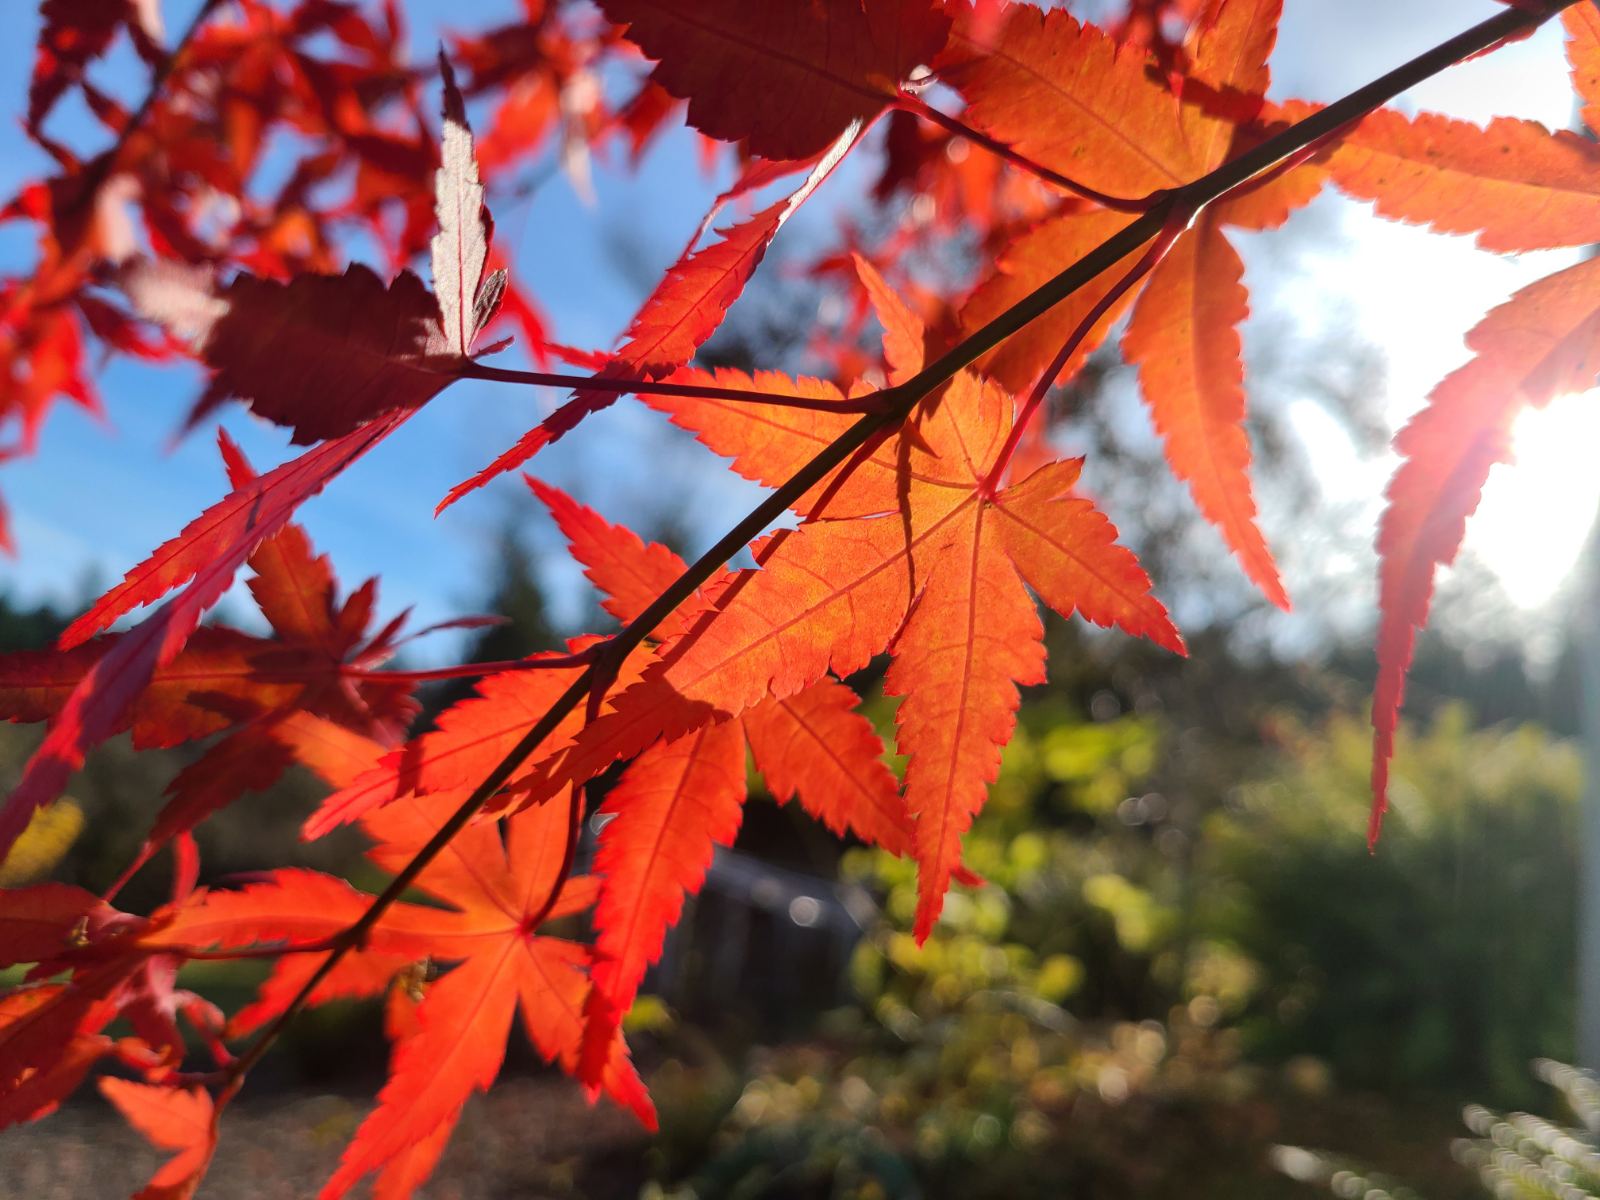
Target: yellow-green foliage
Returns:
[[979, 1051], [1082, 1024], [47, 838]]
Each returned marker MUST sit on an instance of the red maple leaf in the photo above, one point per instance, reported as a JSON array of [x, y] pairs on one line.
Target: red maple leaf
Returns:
[[321, 659], [785, 78], [267, 342]]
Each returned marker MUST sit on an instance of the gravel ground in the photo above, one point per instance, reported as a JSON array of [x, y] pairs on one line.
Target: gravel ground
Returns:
[[526, 1138]]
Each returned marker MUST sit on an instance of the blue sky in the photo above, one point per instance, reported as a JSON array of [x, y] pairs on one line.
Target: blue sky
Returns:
[[99, 497]]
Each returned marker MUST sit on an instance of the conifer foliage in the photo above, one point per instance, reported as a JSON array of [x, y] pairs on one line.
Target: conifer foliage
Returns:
[[1100, 172]]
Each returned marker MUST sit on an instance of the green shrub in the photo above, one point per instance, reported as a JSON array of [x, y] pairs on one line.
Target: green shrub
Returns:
[[1444, 960]]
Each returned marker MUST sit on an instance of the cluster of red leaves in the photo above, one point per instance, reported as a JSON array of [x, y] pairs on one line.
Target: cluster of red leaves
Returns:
[[201, 176], [932, 540]]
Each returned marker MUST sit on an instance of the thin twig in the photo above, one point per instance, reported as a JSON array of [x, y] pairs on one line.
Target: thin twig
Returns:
[[1177, 222], [320, 946], [562, 662], [102, 164], [921, 108], [664, 387], [569, 855]]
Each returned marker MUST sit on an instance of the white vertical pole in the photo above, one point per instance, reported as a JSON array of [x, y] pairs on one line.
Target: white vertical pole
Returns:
[[1588, 649]]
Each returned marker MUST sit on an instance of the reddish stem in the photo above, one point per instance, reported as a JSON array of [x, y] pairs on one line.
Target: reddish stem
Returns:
[[568, 857], [917, 106], [320, 946], [564, 662], [1176, 223]]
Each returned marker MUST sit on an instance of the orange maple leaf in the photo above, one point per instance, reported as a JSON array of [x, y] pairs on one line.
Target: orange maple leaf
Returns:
[[1112, 124], [910, 551], [181, 1119], [682, 798], [205, 555], [498, 895]]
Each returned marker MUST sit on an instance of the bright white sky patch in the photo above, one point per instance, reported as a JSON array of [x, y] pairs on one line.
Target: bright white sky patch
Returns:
[[1415, 294], [1535, 514]]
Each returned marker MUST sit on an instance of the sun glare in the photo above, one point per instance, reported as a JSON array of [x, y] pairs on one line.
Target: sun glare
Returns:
[[1536, 512]]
